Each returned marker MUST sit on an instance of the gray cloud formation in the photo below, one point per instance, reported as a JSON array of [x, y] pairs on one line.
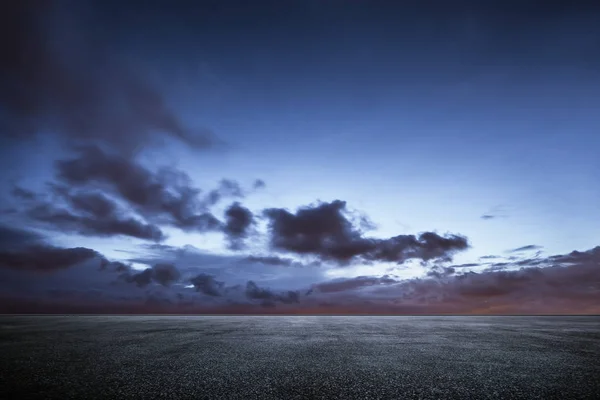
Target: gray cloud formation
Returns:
[[440, 272], [102, 193], [208, 285], [272, 260], [227, 188], [90, 213], [45, 258], [530, 247], [238, 221], [164, 197], [163, 273], [259, 184], [325, 231], [17, 238], [563, 284], [26, 250], [268, 297]]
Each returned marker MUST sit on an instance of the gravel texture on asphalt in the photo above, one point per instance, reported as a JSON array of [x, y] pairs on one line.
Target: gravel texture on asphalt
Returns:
[[299, 357]]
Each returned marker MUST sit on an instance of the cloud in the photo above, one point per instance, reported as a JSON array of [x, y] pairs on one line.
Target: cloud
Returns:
[[23, 194], [238, 221], [101, 193], [163, 273], [142, 279], [163, 197], [115, 266], [59, 75], [525, 248], [591, 257], [44, 258], [468, 265], [271, 260], [560, 284], [28, 250], [91, 213], [259, 184], [342, 285], [227, 188], [498, 211], [440, 272], [426, 246], [17, 238], [568, 283], [550, 283], [208, 285], [324, 230], [268, 297], [231, 269]]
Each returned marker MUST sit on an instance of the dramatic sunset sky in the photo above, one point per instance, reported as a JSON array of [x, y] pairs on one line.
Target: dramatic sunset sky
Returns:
[[332, 156]]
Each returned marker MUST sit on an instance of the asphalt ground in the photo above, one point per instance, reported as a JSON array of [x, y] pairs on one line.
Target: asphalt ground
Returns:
[[299, 357]]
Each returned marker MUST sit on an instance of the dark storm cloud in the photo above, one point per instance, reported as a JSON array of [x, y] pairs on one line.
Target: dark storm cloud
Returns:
[[253, 292], [238, 221], [92, 214], [164, 197], [27, 250], [113, 266], [426, 246], [208, 285], [142, 279], [59, 74], [163, 273], [325, 231], [15, 238], [44, 258], [525, 248]]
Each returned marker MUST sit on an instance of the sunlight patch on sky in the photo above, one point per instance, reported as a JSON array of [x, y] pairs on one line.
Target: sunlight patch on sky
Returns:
[[138, 266], [207, 242]]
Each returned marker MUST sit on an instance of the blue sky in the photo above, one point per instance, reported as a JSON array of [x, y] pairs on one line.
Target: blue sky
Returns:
[[467, 119]]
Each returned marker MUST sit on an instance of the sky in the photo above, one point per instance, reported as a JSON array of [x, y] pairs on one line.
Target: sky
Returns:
[[300, 157]]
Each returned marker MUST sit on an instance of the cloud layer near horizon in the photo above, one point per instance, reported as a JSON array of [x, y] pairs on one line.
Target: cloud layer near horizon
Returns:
[[50, 280]]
